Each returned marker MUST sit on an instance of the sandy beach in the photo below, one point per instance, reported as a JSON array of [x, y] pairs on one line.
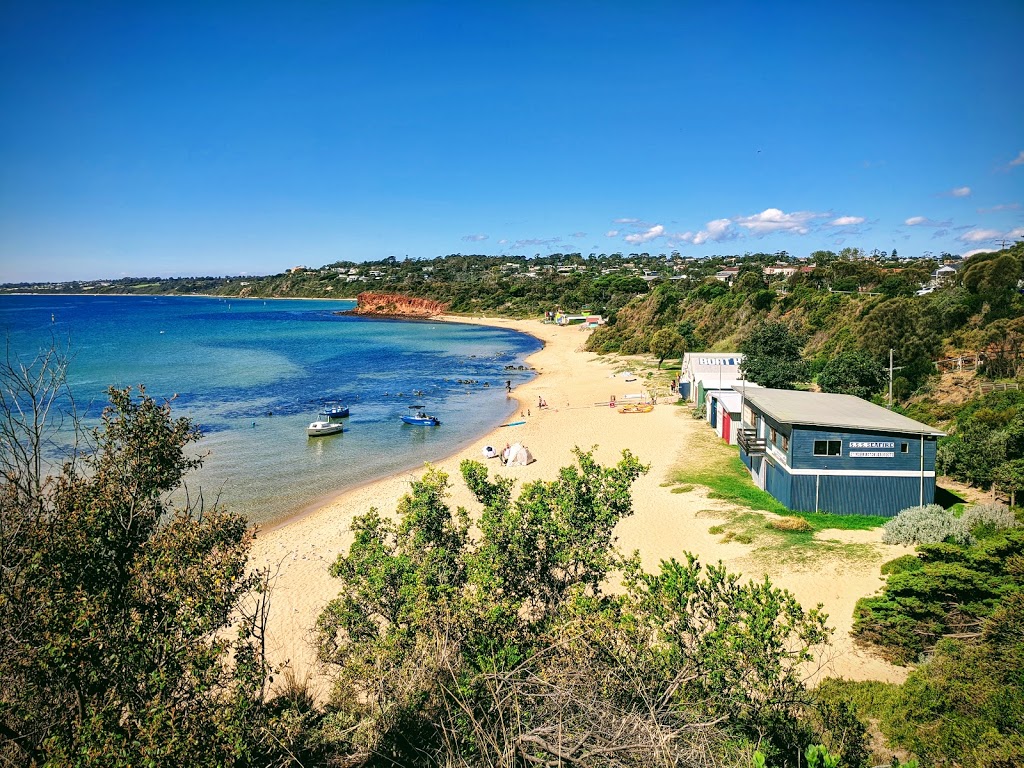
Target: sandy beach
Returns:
[[665, 524]]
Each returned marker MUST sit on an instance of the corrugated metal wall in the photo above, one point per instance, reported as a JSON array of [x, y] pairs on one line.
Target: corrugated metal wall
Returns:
[[844, 495]]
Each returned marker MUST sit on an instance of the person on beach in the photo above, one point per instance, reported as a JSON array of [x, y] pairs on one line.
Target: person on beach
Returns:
[[508, 385]]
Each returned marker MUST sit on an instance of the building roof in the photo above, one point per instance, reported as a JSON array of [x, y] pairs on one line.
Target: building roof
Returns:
[[701, 365], [821, 409], [730, 400]]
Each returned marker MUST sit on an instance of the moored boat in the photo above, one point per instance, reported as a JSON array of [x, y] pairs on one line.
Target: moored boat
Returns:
[[420, 418], [322, 427], [334, 410]]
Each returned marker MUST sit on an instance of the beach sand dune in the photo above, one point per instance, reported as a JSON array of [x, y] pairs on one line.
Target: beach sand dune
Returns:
[[665, 524]]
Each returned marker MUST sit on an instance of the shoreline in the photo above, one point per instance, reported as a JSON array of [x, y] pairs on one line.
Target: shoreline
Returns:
[[334, 497], [575, 384]]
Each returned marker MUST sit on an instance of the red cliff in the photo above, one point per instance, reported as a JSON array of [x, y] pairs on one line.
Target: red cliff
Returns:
[[396, 305]]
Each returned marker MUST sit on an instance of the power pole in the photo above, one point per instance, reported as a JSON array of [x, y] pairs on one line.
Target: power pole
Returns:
[[890, 379]]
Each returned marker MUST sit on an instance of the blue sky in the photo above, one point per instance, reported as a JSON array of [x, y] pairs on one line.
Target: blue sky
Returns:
[[180, 138]]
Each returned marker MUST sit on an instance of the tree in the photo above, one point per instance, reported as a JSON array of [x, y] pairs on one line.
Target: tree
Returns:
[[993, 278], [851, 372], [902, 325], [664, 343], [965, 705], [505, 649], [1009, 478], [130, 630], [772, 356]]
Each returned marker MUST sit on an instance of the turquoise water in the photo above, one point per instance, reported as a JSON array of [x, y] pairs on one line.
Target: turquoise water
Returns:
[[253, 374]]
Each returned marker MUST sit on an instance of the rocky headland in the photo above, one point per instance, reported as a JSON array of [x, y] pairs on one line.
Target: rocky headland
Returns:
[[395, 305]]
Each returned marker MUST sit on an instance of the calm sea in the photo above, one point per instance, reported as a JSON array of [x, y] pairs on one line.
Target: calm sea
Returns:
[[253, 373]]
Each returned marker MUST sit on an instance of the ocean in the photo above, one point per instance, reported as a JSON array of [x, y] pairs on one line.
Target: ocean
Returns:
[[253, 374]]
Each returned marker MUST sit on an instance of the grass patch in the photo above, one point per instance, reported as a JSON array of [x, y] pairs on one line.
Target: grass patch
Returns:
[[870, 698], [796, 524], [822, 520], [716, 465], [719, 469], [682, 489], [732, 483]]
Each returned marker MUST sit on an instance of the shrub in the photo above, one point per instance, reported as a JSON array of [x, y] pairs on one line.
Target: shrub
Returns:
[[930, 524], [982, 520], [903, 564], [790, 524]]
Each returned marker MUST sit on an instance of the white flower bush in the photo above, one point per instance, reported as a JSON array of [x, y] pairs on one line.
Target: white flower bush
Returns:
[[986, 519], [930, 524]]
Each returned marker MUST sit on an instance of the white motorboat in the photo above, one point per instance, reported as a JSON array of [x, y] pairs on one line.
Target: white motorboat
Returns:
[[324, 427]]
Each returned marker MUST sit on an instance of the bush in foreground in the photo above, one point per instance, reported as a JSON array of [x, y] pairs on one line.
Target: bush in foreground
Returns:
[[505, 650], [930, 524]]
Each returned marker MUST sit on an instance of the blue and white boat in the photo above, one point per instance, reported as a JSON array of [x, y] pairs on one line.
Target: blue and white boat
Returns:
[[420, 418], [328, 422], [334, 410]]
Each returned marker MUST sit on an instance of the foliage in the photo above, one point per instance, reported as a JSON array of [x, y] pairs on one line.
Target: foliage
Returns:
[[993, 277], [983, 520], [665, 343], [852, 373], [903, 325], [956, 587], [965, 706], [1009, 478], [130, 631], [790, 524], [772, 356], [505, 649], [902, 564], [987, 435], [929, 524]]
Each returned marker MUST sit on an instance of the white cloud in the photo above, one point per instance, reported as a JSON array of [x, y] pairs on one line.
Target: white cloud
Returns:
[[846, 221], [980, 235], [774, 220], [975, 252], [626, 221], [612, 233], [1015, 234], [1001, 207], [578, 234], [536, 241], [1018, 160], [913, 221], [717, 231], [960, 192], [474, 238], [645, 237]]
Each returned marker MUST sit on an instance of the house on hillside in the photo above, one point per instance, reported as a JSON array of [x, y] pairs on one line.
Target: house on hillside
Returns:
[[819, 452], [785, 270], [727, 275]]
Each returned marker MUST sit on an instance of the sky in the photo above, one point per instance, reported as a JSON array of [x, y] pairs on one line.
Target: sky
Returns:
[[229, 138]]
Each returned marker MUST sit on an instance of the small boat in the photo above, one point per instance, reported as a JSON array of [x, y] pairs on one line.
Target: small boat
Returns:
[[637, 408], [327, 423], [420, 418], [334, 410], [322, 427]]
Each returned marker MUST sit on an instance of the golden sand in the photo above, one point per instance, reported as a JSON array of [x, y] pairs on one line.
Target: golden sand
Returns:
[[664, 525]]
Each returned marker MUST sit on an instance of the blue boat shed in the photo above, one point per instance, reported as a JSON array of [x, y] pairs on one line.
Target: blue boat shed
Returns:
[[820, 452]]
